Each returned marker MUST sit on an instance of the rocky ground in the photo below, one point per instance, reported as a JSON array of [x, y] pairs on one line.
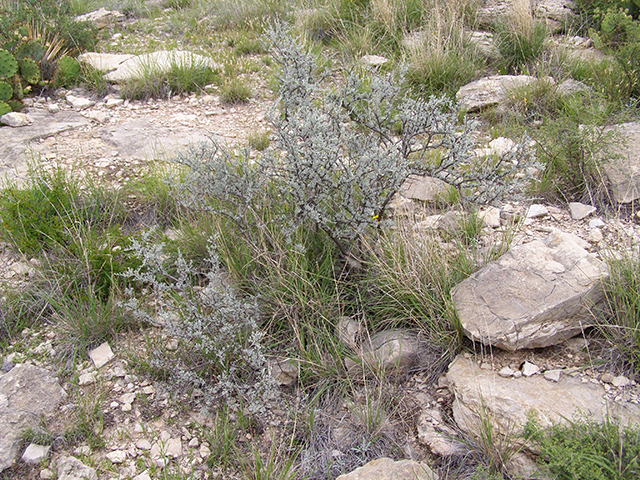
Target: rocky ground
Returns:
[[147, 431]]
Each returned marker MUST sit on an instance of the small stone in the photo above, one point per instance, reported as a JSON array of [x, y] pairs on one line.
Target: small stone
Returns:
[[490, 216], [117, 456], [46, 474], [143, 476], [194, 442], [580, 210], [537, 211], [204, 451], [35, 454], [126, 407], [127, 398], [517, 374], [172, 345], [173, 447], [553, 375], [595, 236], [101, 355], [114, 102], [528, 369], [15, 119], [506, 372], [87, 378], [96, 116], [596, 223], [149, 390], [606, 378], [143, 444], [79, 103], [620, 381], [374, 60], [53, 108]]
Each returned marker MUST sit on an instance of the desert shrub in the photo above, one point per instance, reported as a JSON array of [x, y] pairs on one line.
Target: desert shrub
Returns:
[[220, 357], [341, 155]]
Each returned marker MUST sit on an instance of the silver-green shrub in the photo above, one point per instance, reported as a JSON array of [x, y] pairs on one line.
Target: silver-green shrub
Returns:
[[342, 151], [219, 356]]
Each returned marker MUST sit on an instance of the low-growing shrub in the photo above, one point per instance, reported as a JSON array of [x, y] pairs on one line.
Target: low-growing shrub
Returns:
[[339, 156], [220, 354]]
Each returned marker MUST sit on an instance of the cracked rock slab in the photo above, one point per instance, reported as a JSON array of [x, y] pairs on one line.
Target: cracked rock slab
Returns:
[[536, 295], [27, 393], [511, 402]]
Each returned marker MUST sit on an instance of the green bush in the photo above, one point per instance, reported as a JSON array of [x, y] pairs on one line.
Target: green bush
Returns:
[[586, 450], [620, 323]]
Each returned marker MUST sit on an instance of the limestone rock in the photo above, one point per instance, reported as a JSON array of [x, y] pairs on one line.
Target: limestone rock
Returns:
[[426, 189], [623, 172], [70, 468], [161, 61], [15, 119], [553, 12], [101, 355], [35, 454], [391, 350], [374, 60], [509, 402], [284, 371], [437, 435], [490, 216], [537, 211], [101, 18], [105, 62], [26, 394], [385, 468], [537, 294], [79, 103], [349, 331], [580, 210], [571, 86], [490, 91]]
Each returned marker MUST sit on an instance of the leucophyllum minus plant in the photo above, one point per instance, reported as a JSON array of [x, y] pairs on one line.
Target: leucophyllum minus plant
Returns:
[[219, 356], [341, 152]]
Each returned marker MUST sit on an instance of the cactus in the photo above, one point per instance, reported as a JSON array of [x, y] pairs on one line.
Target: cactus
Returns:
[[6, 92], [4, 108], [67, 72], [29, 70], [29, 49], [8, 64], [15, 105]]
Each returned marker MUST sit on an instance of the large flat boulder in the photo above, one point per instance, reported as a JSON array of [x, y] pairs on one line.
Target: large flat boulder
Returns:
[[510, 402], [27, 393], [157, 62], [489, 91], [537, 294], [623, 171]]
